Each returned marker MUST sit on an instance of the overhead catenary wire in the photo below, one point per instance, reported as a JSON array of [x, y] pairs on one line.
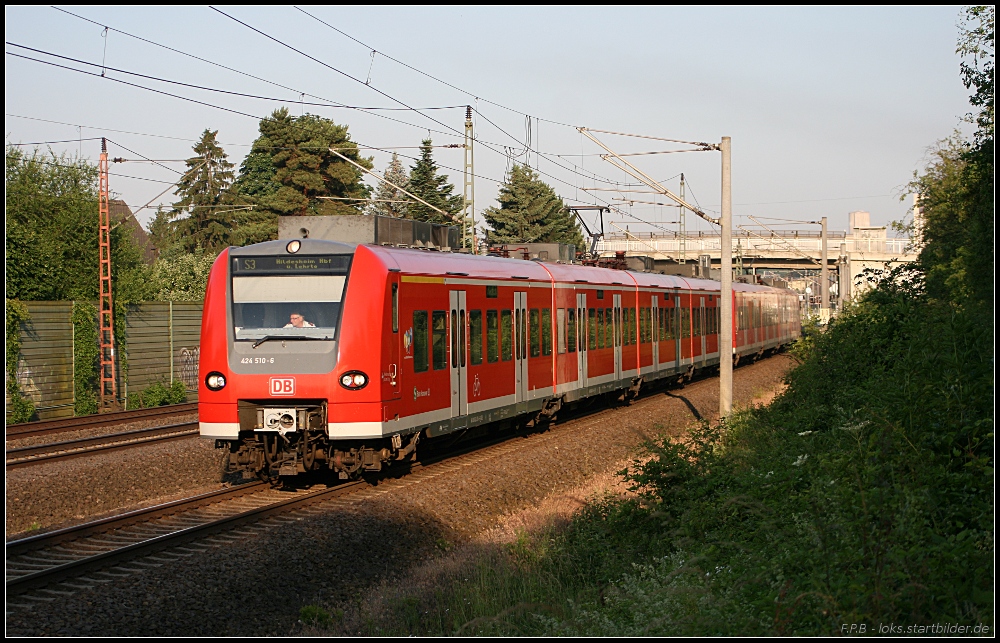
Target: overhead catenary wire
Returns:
[[320, 62], [454, 132], [331, 104]]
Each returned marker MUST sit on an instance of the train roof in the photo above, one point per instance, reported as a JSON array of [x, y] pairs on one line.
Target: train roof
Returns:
[[424, 262]]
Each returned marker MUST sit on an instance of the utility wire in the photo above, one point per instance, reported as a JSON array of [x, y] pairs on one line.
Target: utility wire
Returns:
[[75, 140], [358, 80], [335, 103], [237, 71], [423, 73], [215, 89], [255, 117]]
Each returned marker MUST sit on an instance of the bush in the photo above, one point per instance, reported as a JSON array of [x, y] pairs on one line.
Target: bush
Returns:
[[158, 394], [21, 408]]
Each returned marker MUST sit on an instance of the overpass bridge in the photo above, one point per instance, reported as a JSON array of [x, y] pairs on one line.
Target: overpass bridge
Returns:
[[791, 258]]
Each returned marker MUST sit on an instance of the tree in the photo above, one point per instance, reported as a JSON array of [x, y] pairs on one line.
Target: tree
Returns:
[[530, 211], [387, 200], [308, 178], [206, 199], [51, 240], [426, 183], [957, 188]]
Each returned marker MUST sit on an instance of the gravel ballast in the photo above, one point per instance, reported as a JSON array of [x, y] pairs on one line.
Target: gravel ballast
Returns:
[[254, 581]]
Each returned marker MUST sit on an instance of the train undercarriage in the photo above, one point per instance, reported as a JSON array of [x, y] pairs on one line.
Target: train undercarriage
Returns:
[[286, 441]]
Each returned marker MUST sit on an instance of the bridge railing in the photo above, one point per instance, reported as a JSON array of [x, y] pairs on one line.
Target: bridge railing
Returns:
[[775, 245]]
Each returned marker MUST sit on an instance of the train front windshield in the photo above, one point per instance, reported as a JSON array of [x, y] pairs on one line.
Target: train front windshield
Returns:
[[276, 297]]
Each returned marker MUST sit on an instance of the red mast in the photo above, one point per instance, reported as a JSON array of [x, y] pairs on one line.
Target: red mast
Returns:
[[109, 383]]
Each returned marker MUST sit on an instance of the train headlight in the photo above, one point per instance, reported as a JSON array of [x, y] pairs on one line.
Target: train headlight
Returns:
[[354, 380], [215, 381], [293, 246]]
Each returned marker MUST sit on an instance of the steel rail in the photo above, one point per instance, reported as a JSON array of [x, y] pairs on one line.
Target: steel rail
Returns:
[[36, 454], [44, 427], [44, 577]]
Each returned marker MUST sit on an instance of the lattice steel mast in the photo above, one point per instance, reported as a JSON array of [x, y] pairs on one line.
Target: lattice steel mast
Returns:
[[106, 337]]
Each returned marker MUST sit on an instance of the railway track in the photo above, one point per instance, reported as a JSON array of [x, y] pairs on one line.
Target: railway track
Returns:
[[70, 559], [46, 427], [67, 449], [74, 552], [47, 566]]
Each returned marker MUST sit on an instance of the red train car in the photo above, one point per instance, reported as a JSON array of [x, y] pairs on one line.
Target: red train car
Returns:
[[324, 354]]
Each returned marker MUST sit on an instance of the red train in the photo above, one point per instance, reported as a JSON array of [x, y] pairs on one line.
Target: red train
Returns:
[[319, 354]]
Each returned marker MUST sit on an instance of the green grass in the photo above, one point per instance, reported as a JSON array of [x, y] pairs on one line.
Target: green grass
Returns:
[[864, 495]]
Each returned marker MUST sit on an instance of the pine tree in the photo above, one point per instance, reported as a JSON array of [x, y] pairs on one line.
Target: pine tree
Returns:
[[426, 183], [387, 200], [205, 198], [307, 179], [530, 211]]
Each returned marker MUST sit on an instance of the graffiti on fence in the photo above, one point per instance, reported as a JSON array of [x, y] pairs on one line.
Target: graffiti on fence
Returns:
[[189, 366], [26, 381]]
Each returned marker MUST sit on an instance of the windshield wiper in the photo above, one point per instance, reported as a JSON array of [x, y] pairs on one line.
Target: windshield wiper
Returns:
[[292, 338]]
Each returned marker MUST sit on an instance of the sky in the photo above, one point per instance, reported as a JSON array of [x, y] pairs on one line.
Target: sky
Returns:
[[830, 110]]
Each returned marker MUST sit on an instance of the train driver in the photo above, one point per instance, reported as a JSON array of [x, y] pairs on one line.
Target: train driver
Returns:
[[296, 320]]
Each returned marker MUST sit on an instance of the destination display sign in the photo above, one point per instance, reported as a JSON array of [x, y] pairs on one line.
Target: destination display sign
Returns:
[[292, 264]]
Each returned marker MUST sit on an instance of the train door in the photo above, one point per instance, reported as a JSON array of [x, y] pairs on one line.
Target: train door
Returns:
[[703, 328], [581, 339], [619, 330], [459, 374], [521, 347], [654, 321], [678, 332], [394, 375]]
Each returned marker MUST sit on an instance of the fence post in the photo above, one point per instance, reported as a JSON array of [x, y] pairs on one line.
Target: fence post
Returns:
[[72, 354], [170, 331]]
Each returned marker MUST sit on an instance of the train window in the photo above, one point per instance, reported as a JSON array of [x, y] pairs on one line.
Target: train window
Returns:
[[491, 292], [535, 335], [454, 338], [523, 343], [696, 322], [293, 305], [685, 323], [546, 331], [395, 308], [476, 337], [506, 339], [631, 326], [561, 330], [643, 325], [592, 328], [461, 335], [419, 341], [600, 328], [492, 336], [609, 327], [571, 329], [439, 339], [600, 294]]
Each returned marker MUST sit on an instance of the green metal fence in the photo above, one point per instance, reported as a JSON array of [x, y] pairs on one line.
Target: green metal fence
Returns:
[[162, 345]]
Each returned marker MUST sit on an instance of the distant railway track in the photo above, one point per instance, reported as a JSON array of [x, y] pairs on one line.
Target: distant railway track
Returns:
[[67, 449], [45, 427]]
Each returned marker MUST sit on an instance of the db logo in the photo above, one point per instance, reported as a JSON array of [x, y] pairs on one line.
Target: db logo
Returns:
[[282, 386]]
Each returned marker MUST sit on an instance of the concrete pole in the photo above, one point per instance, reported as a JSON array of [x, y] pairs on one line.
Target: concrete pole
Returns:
[[824, 277], [844, 272], [726, 309]]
